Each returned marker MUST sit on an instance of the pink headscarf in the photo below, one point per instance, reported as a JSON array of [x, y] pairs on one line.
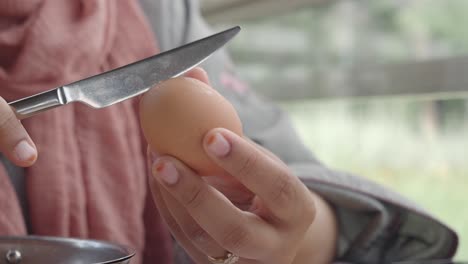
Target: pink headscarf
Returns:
[[90, 178]]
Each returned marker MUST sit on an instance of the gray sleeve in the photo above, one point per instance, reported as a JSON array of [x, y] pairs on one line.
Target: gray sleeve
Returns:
[[168, 20], [376, 225]]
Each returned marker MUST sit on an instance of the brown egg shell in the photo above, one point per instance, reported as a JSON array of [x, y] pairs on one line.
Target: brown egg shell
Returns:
[[176, 115]]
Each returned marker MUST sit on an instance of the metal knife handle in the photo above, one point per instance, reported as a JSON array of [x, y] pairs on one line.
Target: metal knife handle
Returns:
[[35, 104]]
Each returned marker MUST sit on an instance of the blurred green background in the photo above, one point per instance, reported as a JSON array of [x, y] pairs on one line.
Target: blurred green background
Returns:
[[416, 145], [389, 142]]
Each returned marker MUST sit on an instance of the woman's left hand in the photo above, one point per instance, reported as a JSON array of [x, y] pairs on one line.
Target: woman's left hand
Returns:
[[207, 223]]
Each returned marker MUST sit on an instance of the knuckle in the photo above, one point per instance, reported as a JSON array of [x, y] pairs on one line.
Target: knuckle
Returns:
[[305, 213], [3, 103], [309, 211], [307, 216], [7, 119], [172, 223], [197, 234], [193, 198], [248, 165], [237, 237], [285, 189], [9, 126], [306, 220]]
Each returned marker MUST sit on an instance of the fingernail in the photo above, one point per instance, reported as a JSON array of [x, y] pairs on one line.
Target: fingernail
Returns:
[[24, 151], [218, 145], [166, 171]]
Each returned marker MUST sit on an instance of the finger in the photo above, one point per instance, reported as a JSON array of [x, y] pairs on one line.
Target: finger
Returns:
[[199, 256], [15, 142], [264, 150], [192, 230], [199, 74], [283, 194], [239, 232], [158, 194], [174, 227], [240, 196]]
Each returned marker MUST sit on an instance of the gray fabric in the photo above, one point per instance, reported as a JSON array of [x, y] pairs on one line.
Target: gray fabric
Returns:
[[376, 224]]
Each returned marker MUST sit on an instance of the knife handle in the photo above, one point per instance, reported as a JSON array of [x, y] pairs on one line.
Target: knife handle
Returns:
[[32, 105]]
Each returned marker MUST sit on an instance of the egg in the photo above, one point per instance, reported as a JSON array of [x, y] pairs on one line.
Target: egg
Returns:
[[175, 116]]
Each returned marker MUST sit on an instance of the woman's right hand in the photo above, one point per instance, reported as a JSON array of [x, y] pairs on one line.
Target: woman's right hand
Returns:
[[15, 142]]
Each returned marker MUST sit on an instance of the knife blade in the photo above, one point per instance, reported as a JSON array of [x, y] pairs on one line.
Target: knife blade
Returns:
[[123, 83]]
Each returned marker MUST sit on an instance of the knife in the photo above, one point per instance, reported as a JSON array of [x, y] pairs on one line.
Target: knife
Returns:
[[123, 83]]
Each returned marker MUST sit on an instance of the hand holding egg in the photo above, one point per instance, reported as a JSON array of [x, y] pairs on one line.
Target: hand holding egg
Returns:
[[276, 228]]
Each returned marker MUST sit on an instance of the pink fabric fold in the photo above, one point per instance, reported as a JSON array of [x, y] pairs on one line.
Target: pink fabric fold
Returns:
[[90, 180]]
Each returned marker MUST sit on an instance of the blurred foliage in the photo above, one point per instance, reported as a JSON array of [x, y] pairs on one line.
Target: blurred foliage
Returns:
[[442, 21]]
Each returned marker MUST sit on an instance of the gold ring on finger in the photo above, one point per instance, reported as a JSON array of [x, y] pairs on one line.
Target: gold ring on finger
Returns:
[[229, 258]]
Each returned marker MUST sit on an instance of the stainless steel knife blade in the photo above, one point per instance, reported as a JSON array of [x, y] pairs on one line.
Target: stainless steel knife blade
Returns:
[[117, 85]]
